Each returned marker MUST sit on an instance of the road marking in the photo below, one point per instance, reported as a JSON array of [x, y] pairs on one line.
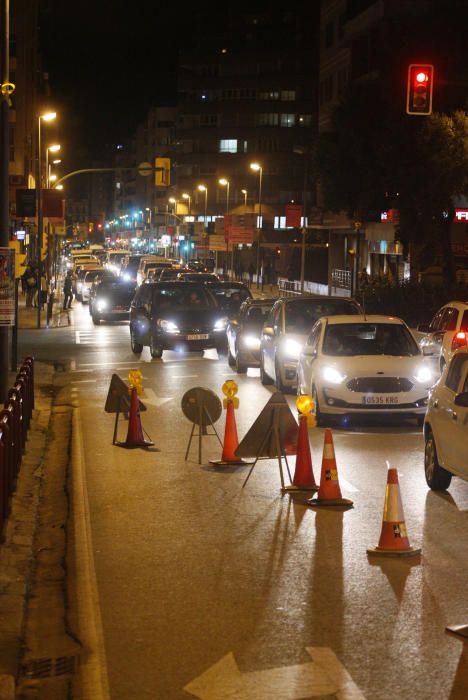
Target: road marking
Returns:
[[77, 337], [108, 364], [85, 381], [325, 675], [150, 398], [347, 486], [184, 376]]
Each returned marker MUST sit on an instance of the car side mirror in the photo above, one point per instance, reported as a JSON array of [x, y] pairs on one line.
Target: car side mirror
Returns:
[[268, 330], [462, 400], [424, 328], [427, 350]]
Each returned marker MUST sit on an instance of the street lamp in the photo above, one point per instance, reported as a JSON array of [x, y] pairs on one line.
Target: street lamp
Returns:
[[244, 192], [47, 117], [258, 168], [204, 189], [50, 149], [225, 183], [187, 196]]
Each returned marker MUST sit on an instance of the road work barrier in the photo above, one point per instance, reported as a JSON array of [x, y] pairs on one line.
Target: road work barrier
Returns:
[[393, 537], [15, 418], [329, 493], [303, 474], [231, 441]]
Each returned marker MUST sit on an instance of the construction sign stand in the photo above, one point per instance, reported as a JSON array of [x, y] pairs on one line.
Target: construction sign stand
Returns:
[[273, 435], [119, 401], [202, 408], [231, 441], [303, 475], [393, 537]]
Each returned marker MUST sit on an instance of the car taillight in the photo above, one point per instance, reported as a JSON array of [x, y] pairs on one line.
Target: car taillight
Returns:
[[460, 339]]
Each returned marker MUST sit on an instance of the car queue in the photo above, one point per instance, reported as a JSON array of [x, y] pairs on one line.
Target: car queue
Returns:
[[351, 363]]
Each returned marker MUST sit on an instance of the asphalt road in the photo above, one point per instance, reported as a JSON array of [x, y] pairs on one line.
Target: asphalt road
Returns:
[[253, 591]]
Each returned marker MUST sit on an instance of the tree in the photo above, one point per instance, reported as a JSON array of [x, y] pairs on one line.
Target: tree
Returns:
[[376, 158]]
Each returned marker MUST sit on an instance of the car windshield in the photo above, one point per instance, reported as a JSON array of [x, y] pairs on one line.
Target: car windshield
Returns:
[[464, 323], [183, 297], [90, 276], [347, 339], [302, 315], [115, 290], [256, 316], [229, 297]]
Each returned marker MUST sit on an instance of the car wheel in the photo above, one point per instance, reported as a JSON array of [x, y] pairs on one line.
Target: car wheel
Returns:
[[318, 415], [241, 368], [264, 377], [278, 381], [137, 347], [221, 348], [420, 421], [156, 350], [437, 478], [96, 319]]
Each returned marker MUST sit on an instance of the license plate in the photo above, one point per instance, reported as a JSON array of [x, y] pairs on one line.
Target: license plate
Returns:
[[380, 400], [204, 336]]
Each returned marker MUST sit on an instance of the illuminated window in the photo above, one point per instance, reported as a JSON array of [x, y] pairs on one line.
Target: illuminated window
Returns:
[[268, 119], [228, 146], [288, 119], [288, 95], [304, 120], [268, 95]]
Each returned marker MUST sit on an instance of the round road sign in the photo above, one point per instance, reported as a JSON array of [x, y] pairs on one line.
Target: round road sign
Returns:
[[145, 169]]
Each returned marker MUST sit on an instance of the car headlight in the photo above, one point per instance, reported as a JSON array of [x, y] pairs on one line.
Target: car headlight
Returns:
[[126, 277], [292, 348], [168, 326], [69, 265], [221, 324], [423, 375], [102, 304], [251, 342], [79, 286], [332, 375]]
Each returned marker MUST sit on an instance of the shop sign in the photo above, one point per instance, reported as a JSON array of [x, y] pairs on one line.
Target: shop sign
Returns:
[[461, 216]]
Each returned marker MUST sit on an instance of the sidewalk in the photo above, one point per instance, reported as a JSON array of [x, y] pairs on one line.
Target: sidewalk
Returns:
[[27, 317]]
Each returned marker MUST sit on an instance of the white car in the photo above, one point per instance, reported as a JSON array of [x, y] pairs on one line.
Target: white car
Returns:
[[364, 365], [446, 425], [447, 332]]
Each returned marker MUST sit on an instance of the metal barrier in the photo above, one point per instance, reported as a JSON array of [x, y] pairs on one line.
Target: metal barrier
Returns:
[[15, 419]]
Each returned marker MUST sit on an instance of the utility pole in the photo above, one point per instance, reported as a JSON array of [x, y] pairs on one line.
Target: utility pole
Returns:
[[4, 182]]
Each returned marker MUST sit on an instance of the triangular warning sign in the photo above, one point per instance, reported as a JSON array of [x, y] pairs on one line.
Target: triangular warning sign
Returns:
[[274, 430], [118, 398]]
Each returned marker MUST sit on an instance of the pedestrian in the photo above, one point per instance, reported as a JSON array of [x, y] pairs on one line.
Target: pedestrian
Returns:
[[363, 278], [251, 271], [68, 290], [30, 285]]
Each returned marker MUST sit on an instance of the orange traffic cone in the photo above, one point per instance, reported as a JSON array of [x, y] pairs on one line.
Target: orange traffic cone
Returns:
[[135, 435], [329, 493], [303, 474], [231, 441], [393, 538]]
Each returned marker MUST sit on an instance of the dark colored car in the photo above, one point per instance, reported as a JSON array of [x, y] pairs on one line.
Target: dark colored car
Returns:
[[197, 277], [229, 295], [110, 301], [244, 333], [171, 273], [173, 315], [129, 269]]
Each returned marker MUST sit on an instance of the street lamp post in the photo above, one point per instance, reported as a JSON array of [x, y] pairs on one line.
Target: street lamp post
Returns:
[[203, 188], [244, 192], [225, 183], [187, 196], [49, 116], [258, 168], [50, 149]]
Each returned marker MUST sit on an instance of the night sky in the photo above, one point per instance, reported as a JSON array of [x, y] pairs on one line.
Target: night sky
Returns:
[[107, 62]]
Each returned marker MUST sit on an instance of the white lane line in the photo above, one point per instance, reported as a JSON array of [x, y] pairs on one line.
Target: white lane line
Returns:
[[77, 338], [85, 381], [347, 486], [73, 365], [112, 364], [184, 376]]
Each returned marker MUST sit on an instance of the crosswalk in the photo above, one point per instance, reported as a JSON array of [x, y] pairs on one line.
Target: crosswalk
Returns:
[[101, 337]]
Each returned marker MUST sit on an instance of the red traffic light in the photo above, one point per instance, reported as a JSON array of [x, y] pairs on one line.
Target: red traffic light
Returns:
[[419, 89]]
